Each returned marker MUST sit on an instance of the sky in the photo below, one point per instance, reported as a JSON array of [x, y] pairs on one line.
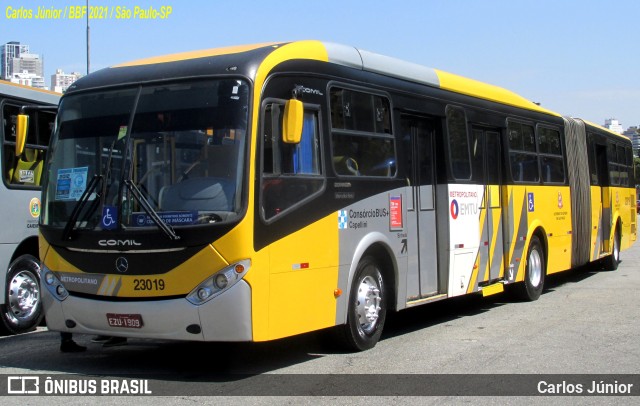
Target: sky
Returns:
[[576, 57]]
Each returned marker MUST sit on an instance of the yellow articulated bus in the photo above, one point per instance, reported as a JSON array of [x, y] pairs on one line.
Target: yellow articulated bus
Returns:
[[258, 192]]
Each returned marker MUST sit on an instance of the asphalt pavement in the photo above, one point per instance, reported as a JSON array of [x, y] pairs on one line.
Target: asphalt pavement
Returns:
[[585, 325]]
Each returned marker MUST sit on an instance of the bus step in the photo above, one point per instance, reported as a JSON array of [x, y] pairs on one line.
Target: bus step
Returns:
[[433, 298], [492, 289]]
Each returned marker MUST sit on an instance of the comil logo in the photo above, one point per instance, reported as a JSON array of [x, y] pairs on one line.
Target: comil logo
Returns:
[[119, 243]]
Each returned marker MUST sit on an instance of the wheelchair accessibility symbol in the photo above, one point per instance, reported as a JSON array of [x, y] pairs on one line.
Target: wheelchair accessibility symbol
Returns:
[[531, 204], [109, 218]]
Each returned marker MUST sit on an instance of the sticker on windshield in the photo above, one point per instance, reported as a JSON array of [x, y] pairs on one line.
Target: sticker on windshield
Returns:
[[172, 218], [71, 183], [109, 218]]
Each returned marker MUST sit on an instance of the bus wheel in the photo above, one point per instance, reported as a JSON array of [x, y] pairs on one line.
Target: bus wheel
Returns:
[[534, 274], [22, 309], [367, 308], [611, 262]]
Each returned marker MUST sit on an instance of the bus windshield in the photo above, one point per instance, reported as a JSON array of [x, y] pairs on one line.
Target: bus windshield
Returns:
[[167, 153]]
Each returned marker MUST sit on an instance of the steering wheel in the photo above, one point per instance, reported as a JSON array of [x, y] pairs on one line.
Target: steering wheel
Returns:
[[185, 173], [209, 218]]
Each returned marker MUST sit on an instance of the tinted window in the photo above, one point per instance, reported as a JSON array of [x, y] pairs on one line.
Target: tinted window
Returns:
[[291, 172], [477, 150], [549, 141], [359, 111], [458, 143], [551, 160], [521, 137], [593, 168], [522, 156], [181, 145], [362, 144]]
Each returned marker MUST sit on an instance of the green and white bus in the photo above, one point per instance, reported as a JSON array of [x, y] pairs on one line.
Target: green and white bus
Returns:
[[22, 162]]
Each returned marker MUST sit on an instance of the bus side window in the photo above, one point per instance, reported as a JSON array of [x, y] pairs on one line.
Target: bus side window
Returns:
[[26, 169], [291, 173], [614, 170], [458, 143], [551, 160], [522, 153], [361, 136], [593, 168]]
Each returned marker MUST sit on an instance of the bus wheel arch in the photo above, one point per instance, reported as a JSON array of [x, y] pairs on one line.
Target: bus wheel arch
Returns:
[[389, 269], [371, 294], [611, 262]]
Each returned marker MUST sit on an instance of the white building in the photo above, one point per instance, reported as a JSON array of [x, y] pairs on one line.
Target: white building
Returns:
[[613, 125], [17, 60], [31, 63], [61, 81], [8, 52], [28, 79]]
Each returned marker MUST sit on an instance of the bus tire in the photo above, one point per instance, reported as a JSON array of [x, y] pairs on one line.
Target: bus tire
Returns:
[[22, 309], [367, 308], [611, 262], [535, 270]]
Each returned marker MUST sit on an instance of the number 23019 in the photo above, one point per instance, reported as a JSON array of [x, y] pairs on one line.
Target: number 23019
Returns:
[[148, 284]]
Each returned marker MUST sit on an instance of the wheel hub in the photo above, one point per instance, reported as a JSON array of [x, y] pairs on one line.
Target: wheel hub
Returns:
[[24, 297], [535, 268], [368, 304]]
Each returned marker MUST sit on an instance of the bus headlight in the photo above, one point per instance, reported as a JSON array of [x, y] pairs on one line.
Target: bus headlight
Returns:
[[204, 293], [53, 284], [219, 282], [50, 279]]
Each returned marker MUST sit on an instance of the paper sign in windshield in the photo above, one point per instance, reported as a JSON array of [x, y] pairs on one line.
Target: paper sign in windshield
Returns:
[[172, 218], [71, 183]]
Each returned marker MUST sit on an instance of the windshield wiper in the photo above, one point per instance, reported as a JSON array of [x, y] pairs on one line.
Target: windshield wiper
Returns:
[[77, 209], [107, 183], [162, 225]]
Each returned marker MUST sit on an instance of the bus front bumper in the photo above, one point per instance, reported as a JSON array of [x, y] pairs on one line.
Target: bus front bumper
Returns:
[[224, 318]]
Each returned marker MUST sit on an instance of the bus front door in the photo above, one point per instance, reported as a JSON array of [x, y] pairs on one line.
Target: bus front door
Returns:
[[605, 199]]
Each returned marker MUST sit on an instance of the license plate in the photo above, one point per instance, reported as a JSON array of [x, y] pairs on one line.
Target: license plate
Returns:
[[124, 320]]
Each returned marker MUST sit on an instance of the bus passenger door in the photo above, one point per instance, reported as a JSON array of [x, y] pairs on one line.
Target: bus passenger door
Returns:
[[418, 137], [489, 158], [605, 198]]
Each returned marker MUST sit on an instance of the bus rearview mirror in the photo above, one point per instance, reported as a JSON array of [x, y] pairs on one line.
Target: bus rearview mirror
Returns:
[[292, 122], [21, 133]]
